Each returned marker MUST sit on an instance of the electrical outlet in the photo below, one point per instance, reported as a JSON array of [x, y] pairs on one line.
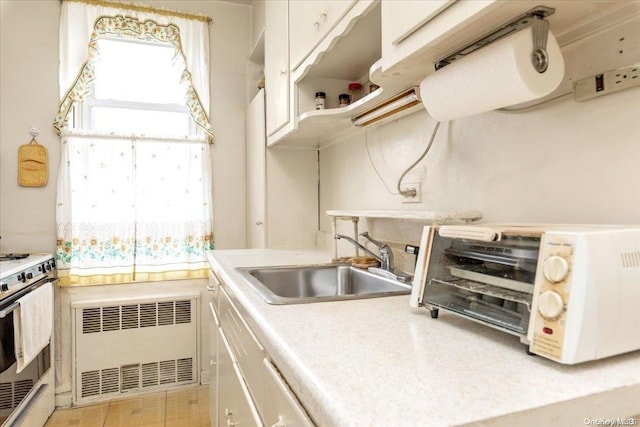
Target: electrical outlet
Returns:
[[607, 82], [417, 187]]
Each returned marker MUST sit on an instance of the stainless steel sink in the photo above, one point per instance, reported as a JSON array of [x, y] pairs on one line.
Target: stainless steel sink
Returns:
[[315, 283]]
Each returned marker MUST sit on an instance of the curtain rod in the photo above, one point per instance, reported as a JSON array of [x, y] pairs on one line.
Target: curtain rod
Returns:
[[143, 8]]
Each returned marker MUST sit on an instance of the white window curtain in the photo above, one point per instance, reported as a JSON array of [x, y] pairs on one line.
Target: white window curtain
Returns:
[[132, 207]]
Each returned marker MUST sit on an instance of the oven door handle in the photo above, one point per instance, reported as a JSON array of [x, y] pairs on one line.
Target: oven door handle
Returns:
[[6, 311]]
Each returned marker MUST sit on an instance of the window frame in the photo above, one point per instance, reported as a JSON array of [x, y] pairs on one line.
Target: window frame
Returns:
[[81, 114]]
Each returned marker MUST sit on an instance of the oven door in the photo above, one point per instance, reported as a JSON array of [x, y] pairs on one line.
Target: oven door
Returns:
[[27, 395]]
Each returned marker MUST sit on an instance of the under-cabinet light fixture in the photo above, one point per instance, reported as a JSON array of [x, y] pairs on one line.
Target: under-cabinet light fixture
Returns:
[[403, 102]]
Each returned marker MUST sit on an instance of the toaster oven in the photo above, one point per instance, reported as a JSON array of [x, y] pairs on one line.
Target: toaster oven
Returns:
[[571, 293]]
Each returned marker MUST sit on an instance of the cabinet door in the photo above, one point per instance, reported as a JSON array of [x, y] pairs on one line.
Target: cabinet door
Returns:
[[246, 349], [276, 64], [256, 173], [214, 324], [405, 17], [309, 23], [235, 407], [410, 29]]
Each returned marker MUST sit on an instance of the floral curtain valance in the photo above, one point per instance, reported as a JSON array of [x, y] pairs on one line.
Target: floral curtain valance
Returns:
[[79, 52]]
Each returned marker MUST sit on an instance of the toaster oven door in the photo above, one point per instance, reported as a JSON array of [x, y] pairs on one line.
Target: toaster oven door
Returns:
[[489, 282]]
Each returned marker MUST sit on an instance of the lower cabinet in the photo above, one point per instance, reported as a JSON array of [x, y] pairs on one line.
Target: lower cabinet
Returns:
[[247, 388]]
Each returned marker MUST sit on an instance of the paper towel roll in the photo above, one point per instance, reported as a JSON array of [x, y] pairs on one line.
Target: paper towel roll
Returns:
[[495, 76]]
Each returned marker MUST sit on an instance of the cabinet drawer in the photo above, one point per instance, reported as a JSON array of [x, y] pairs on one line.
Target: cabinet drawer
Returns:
[[235, 405], [245, 348], [213, 289], [280, 406]]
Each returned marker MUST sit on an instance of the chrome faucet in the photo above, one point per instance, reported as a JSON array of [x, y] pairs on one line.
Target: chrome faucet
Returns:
[[356, 243], [386, 256], [385, 252]]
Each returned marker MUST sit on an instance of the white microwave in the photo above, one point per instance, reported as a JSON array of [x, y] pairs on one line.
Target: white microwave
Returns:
[[570, 292]]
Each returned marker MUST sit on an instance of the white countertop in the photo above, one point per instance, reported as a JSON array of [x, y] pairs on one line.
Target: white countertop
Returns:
[[377, 362]]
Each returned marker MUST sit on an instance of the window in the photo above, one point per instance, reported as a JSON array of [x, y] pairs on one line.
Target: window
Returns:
[[137, 89], [134, 189]]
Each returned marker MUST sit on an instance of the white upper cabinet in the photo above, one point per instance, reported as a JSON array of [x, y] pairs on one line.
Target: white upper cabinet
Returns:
[[412, 28], [404, 17], [276, 65], [417, 34], [394, 44], [310, 22]]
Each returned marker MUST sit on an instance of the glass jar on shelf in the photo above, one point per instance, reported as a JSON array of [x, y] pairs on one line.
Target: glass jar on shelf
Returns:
[[321, 99], [344, 99]]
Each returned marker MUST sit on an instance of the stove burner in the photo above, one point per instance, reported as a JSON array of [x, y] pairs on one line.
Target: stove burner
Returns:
[[7, 257]]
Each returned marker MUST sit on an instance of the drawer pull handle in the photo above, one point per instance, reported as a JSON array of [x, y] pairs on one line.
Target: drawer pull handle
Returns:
[[228, 414], [280, 422]]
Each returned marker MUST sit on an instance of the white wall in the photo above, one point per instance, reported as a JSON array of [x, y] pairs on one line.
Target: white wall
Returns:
[[562, 162], [29, 96]]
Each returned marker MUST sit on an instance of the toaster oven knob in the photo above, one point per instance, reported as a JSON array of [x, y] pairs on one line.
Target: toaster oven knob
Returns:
[[550, 304], [555, 269]]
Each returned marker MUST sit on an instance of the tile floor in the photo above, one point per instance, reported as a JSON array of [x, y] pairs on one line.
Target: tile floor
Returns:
[[176, 408]]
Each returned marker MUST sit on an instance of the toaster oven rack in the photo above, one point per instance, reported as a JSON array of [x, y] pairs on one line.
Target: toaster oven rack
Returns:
[[485, 289]]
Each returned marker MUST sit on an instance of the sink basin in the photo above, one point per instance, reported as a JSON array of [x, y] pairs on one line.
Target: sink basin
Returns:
[[316, 283]]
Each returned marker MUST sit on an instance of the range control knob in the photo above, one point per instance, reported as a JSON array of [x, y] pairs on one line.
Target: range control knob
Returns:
[[555, 269], [550, 305], [4, 287]]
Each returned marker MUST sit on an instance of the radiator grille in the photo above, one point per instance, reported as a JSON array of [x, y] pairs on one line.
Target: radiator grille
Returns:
[[148, 315], [133, 347], [110, 319], [631, 259], [90, 383], [165, 313], [185, 369], [167, 372], [150, 375], [130, 377], [109, 381], [130, 316], [134, 316], [90, 320]]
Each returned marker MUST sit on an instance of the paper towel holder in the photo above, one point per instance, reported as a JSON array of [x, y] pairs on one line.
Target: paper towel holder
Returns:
[[533, 18]]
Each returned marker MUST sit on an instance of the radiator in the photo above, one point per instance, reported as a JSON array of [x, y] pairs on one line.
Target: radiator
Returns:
[[131, 347]]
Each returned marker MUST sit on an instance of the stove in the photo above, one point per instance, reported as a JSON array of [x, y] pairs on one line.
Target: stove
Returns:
[[17, 271], [26, 394]]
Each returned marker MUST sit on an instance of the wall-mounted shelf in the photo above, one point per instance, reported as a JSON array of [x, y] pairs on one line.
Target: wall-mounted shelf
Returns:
[[426, 216], [316, 126], [256, 64]]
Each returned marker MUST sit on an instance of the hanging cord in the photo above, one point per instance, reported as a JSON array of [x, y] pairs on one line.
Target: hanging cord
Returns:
[[366, 144], [412, 191]]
